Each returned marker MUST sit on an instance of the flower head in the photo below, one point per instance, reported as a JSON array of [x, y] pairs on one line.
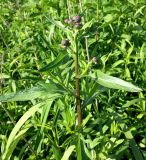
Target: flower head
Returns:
[[77, 19]]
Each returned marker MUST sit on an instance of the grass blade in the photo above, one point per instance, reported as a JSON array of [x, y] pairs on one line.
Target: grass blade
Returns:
[[44, 116], [133, 102], [18, 126], [14, 143], [68, 152]]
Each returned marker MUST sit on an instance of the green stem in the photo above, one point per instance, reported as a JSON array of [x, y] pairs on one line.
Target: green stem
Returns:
[[78, 100]]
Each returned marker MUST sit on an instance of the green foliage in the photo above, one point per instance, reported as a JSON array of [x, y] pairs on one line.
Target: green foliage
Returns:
[[42, 90], [37, 101], [115, 83]]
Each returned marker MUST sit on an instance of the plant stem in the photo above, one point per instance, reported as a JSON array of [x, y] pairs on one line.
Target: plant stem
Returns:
[[78, 100], [86, 39]]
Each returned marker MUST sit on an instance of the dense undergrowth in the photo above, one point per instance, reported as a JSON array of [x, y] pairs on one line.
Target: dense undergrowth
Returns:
[[38, 102]]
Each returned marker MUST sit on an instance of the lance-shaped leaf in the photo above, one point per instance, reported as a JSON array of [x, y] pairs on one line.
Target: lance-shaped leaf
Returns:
[[129, 103], [57, 62], [43, 90], [68, 152], [115, 83], [57, 23], [17, 133]]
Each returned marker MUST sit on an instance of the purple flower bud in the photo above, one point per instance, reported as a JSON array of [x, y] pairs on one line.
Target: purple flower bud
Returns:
[[68, 21], [77, 19]]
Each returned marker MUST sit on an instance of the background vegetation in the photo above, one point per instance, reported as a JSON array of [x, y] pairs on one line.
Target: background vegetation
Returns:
[[38, 120]]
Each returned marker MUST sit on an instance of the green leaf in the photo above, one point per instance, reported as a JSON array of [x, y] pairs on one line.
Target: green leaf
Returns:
[[87, 25], [57, 62], [115, 83], [117, 63], [84, 151], [85, 120], [133, 145], [110, 18], [44, 116], [95, 142], [44, 90], [68, 152], [56, 23], [13, 135], [3, 140], [14, 143], [129, 103], [57, 152]]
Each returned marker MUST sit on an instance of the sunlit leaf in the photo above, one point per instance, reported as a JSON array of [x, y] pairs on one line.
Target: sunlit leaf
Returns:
[[115, 83], [68, 152], [46, 90], [17, 128]]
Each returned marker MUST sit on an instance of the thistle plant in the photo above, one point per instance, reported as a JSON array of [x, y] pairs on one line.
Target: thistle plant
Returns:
[[74, 35], [75, 53], [67, 85]]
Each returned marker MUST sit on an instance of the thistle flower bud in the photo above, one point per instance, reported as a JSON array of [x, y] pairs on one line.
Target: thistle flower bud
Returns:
[[68, 21], [77, 19]]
